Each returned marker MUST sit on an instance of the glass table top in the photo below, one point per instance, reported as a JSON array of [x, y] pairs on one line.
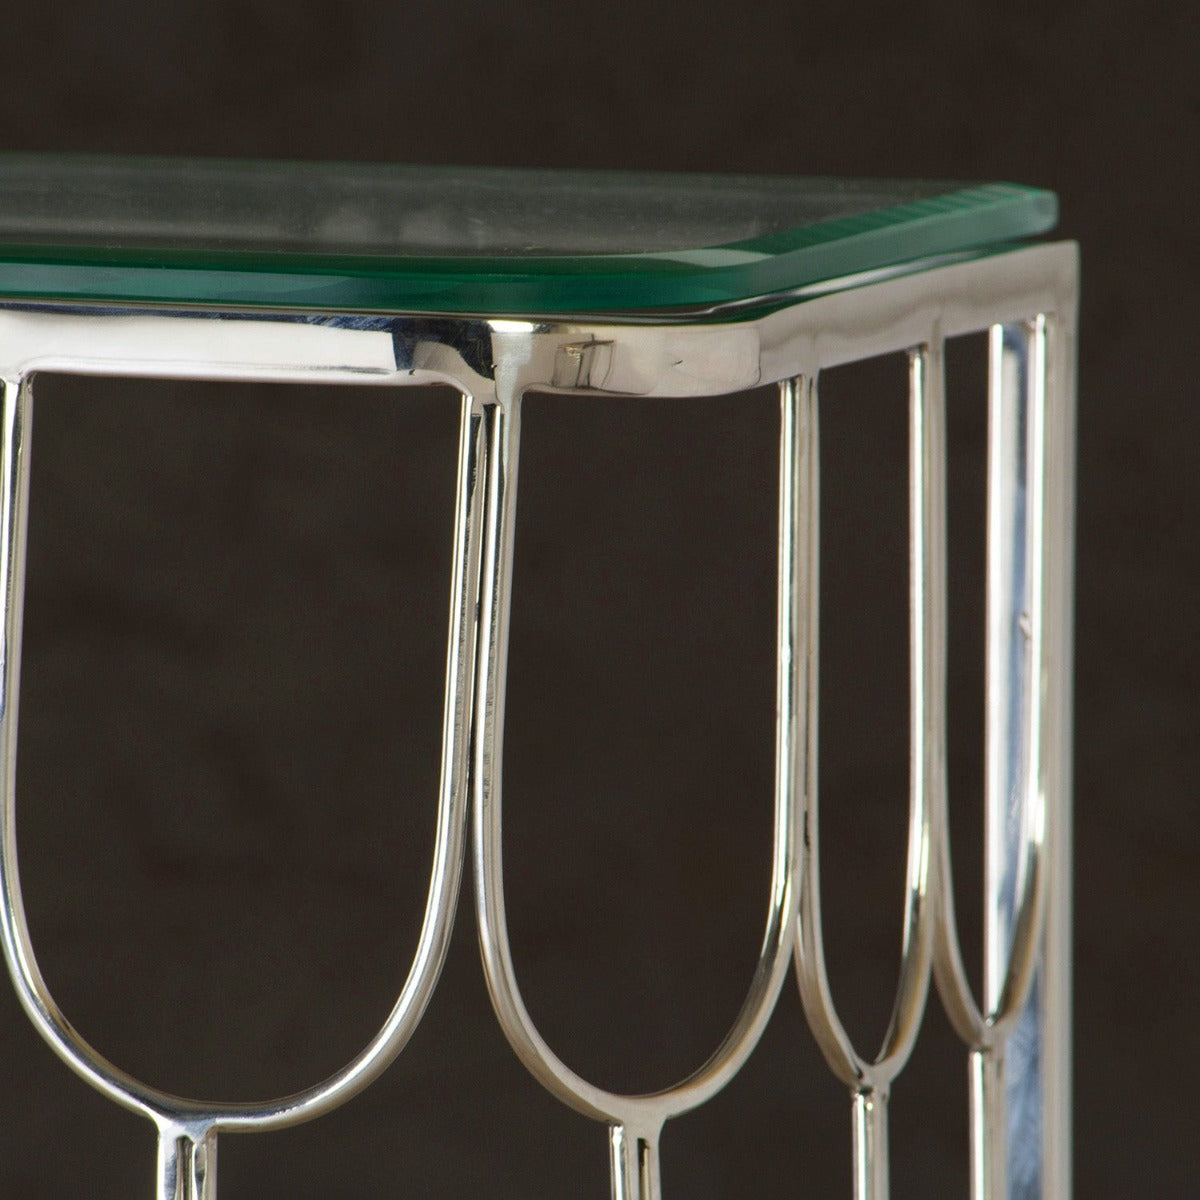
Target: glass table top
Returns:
[[374, 237]]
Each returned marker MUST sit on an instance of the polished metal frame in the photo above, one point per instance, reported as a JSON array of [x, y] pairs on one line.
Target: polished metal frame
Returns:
[[1018, 1037]]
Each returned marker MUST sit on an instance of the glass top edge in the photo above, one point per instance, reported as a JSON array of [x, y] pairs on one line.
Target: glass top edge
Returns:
[[748, 308], [679, 262], [1042, 203], [134, 209], [476, 304]]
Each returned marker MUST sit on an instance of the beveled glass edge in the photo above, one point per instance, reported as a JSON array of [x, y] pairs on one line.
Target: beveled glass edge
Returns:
[[733, 311], [968, 218]]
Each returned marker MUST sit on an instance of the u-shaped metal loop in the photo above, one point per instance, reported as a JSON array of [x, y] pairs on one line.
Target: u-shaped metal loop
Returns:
[[187, 1127], [1015, 710], [1015, 799], [870, 1079], [637, 1120]]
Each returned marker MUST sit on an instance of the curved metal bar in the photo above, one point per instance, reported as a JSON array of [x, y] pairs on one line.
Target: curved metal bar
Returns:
[[182, 1120], [1016, 765], [637, 1119], [870, 1080]]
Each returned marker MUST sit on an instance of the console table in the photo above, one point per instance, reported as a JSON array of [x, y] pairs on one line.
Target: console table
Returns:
[[622, 286]]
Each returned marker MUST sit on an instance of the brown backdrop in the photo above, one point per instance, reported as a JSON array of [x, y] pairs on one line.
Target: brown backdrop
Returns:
[[236, 608]]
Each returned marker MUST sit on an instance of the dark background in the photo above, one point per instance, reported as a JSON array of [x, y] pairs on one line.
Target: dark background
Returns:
[[236, 618]]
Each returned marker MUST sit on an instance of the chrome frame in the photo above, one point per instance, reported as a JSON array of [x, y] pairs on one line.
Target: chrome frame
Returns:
[[870, 1080], [1019, 1040]]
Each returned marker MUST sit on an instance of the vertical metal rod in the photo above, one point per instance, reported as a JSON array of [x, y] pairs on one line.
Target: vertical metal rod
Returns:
[[927, 649], [869, 1117], [622, 1163], [648, 1169], [1007, 668], [187, 1163], [1059, 365], [989, 1137], [797, 608], [634, 1161], [1014, 739]]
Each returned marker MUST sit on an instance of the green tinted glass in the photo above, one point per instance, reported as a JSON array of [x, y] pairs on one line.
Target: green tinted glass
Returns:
[[434, 239]]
